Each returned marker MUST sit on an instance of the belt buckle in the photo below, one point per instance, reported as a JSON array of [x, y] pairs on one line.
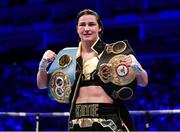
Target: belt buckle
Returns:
[[85, 122]]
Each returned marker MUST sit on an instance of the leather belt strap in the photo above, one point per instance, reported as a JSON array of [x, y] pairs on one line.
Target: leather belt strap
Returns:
[[88, 122]]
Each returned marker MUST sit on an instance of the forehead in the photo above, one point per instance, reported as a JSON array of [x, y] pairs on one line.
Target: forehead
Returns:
[[87, 18]]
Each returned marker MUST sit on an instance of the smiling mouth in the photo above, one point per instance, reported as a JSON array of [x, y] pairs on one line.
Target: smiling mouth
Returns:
[[87, 34]]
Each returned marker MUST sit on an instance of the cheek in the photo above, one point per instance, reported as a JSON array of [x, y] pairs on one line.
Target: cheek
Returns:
[[98, 30], [79, 30]]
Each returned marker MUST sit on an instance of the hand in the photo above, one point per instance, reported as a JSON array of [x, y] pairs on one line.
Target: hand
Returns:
[[133, 63], [47, 58]]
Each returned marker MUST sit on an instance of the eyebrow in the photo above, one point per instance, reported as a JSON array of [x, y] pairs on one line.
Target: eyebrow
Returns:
[[82, 22]]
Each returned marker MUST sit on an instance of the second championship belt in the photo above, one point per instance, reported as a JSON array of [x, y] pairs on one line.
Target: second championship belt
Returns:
[[61, 75], [121, 76]]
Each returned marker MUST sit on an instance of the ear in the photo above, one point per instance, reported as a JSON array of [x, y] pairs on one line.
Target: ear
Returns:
[[100, 29], [77, 28]]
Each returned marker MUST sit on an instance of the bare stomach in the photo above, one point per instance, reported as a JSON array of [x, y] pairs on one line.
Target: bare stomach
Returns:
[[93, 94]]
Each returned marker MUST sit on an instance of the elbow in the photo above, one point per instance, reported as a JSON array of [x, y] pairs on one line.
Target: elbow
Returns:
[[40, 86], [142, 80], [143, 84], [42, 80]]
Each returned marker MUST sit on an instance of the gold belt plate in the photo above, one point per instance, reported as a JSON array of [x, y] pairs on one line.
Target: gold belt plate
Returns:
[[121, 74]]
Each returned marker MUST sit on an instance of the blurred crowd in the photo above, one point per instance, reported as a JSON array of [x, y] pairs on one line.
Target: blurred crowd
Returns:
[[19, 93]]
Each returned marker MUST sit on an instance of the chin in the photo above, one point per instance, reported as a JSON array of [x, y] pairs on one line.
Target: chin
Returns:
[[88, 40]]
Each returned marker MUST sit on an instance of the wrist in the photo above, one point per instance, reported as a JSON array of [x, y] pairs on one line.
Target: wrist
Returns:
[[43, 65], [137, 69]]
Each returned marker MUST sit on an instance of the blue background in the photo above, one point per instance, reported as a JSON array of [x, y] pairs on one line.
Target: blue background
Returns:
[[29, 27]]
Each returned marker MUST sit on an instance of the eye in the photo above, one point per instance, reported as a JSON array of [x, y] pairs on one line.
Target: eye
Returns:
[[82, 24], [92, 24]]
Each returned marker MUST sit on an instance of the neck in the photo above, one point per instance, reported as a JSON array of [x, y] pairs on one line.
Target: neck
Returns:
[[86, 46], [86, 51]]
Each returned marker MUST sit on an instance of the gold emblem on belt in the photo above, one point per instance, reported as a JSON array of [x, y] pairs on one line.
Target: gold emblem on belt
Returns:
[[120, 74], [64, 61], [60, 86]]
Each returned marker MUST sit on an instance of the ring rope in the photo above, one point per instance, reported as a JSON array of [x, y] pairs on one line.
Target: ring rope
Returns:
[[23, 114], [54, 114]]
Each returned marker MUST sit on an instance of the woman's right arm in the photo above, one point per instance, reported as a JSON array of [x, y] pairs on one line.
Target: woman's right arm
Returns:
[[47, 58], [42, 79]]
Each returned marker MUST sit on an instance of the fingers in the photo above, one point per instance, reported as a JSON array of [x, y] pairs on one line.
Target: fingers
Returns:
[[128, 60], [131, 60], [49, 55], [134, 64], [47, 58]]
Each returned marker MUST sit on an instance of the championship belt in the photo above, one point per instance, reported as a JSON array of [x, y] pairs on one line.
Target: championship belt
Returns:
[[121, 75], [61, 75]]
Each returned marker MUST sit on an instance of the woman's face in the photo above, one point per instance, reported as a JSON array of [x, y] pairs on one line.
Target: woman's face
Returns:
[[88, 28]]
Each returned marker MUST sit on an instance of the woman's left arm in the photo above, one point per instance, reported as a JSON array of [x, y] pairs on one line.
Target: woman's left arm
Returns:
[[142, 78], [141, 74]]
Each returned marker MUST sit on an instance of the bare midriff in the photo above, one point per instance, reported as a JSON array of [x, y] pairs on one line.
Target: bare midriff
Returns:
[[93, 94]]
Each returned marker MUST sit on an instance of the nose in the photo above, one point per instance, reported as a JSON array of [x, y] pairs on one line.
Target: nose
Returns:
[[86, 28]]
